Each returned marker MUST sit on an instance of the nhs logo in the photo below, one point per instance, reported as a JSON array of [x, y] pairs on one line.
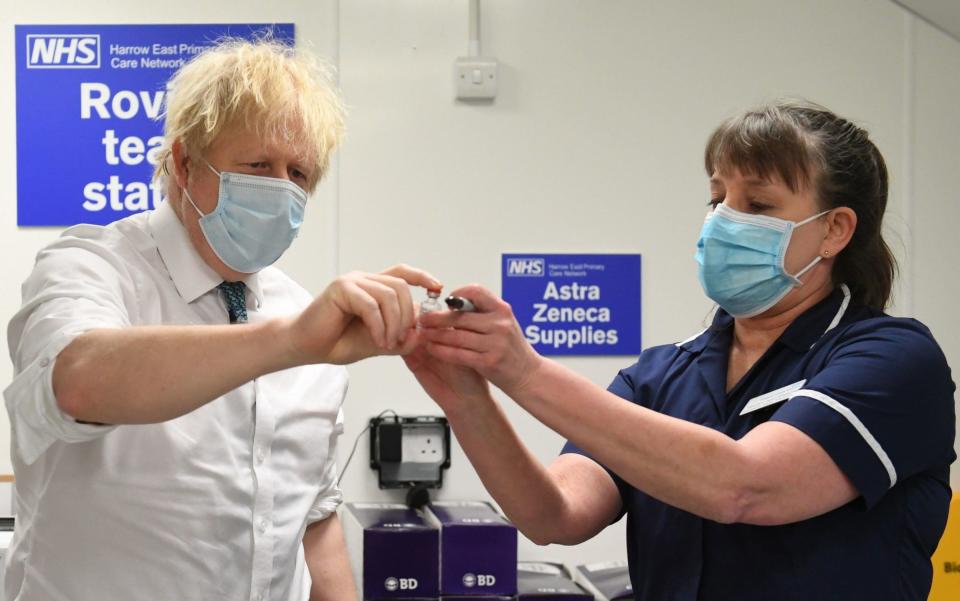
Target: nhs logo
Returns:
[[63, 51], [525, 267]]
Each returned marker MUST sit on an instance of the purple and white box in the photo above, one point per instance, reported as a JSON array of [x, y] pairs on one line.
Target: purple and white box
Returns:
[[539, 581], [608, 580], [394, 551], [478, 550]]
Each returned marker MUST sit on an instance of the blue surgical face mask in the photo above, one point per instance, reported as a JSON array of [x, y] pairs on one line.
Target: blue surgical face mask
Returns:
[[255, 221], [741, 260]]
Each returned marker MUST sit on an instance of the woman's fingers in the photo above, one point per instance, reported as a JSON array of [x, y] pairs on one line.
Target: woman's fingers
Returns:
[[483, 299], [454, 355], [476, 322], [459, 338], [489, 310]]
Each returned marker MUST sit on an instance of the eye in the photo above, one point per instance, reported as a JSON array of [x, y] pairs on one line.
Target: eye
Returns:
[[758, 206], [298, 175], [713, 202]]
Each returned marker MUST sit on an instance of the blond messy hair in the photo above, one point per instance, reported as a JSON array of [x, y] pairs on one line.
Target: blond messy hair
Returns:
[[263, 85]]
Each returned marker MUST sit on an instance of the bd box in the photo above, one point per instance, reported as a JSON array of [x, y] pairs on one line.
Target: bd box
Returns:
[[478, 549], [394, 551]]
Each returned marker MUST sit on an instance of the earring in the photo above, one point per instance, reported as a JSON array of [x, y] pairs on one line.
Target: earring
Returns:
[[826, 254]]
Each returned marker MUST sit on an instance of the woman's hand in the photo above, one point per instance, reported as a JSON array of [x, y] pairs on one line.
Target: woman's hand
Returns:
[[360, 315], [488, 341], [453, 387]]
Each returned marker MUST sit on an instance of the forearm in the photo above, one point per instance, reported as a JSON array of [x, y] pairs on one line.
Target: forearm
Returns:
[[523, 487], [155, 373], [327, 560], [683, 464]]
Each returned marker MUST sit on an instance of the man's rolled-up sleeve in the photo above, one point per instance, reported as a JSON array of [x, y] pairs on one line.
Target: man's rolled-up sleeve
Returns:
[[330, 495], [71, 290]]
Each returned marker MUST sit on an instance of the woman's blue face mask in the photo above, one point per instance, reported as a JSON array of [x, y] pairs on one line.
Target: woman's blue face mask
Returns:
[[741, 260], [255, 221]]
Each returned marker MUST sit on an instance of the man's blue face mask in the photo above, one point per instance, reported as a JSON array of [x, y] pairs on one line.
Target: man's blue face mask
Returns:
[[741, 260], [255, 221]]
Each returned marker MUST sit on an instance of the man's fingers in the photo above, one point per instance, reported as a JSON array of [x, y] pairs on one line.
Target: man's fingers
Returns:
[[413, 338], [408, 314], [413, 276], [386, 299], [364, 306]]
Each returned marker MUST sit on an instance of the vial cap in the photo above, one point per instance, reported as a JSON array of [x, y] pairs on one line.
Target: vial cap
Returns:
[[434, 291]]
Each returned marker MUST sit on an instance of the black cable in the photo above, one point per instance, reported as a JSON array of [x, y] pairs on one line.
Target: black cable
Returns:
[[357, 441]]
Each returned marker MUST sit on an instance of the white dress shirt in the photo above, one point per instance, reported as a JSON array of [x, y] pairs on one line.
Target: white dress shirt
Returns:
[[212, 505]]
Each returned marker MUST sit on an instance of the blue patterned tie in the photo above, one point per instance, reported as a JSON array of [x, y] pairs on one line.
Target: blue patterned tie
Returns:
[[236, 299]]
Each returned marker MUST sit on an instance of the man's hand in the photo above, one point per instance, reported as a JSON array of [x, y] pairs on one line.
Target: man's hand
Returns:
[[360, 315]]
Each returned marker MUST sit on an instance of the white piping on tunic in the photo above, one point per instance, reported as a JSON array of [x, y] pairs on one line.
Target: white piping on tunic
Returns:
[[858, 426]]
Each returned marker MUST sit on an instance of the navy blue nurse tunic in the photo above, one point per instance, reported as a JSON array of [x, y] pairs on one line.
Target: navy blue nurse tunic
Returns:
[[874, 391]]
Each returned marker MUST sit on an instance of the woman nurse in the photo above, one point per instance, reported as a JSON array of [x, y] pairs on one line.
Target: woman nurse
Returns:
[[798, 448]]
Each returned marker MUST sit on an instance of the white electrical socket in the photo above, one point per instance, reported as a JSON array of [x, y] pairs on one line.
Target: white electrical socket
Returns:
[[475, 77], [422, 444]]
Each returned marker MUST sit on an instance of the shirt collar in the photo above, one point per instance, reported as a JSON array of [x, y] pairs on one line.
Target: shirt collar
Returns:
[[807, 329], [189, 272]]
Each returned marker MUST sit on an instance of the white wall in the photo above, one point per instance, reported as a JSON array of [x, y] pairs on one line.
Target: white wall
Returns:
[[593, 145], [935, 187]]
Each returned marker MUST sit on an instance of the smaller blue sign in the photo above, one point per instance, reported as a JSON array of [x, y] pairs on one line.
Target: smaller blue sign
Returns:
[[575, 304]]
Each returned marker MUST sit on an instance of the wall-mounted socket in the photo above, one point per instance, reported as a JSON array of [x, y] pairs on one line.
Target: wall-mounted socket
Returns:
[[409, 451], [475, 77], [423, 444]]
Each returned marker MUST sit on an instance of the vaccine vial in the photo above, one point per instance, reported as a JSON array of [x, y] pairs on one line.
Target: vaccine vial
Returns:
[[433, 301]]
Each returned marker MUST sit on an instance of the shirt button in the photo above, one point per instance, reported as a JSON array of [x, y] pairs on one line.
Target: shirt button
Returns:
[[262, 526], [260, 455], [44, 362]]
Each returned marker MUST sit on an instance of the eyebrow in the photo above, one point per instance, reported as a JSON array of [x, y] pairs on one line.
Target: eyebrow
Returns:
[[753, 182]]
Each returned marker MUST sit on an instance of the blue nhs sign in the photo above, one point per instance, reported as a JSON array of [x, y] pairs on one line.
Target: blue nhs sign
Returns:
[[575, 304], [90, 104]]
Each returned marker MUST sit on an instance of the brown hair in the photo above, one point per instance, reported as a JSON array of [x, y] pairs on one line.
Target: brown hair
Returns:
[[805, 144]]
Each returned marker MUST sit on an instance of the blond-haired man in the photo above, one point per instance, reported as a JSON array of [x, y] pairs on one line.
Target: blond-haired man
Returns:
[[177, 400]]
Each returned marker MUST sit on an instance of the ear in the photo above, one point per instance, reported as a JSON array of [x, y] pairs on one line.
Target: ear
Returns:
[[841, 223], [181, 163]]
